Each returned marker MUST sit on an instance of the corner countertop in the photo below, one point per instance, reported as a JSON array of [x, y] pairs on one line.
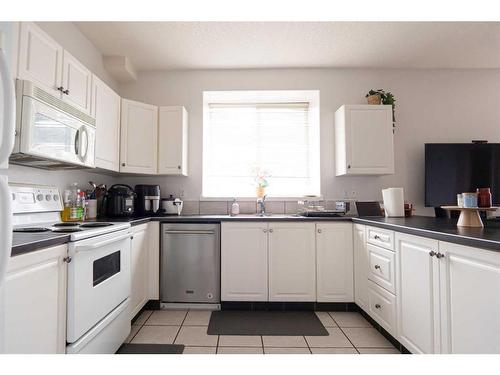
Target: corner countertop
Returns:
[[436, 228]]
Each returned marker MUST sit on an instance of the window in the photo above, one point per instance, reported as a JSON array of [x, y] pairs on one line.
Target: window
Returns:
[[271, 134]]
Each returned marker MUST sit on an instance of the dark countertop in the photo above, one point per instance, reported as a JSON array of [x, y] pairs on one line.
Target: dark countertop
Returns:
[[440, 229], [436, 228], [27, 242]]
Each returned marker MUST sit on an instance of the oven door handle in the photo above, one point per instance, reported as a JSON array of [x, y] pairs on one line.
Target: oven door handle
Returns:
[[102, 243]]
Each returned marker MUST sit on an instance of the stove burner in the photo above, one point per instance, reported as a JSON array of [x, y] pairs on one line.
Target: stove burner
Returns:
[[95, 225], [31, 230], [58, 225]]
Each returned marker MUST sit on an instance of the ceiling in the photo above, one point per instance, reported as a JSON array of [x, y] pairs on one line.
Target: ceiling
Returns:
[[237, 45]]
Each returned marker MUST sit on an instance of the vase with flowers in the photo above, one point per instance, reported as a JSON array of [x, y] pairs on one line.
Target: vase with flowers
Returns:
[[261, 180]]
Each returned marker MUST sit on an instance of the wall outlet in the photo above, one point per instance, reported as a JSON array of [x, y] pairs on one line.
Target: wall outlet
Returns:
[[350, 194]]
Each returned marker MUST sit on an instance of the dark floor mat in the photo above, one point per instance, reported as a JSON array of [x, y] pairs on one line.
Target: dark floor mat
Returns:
[[150, 349], [266, 323]]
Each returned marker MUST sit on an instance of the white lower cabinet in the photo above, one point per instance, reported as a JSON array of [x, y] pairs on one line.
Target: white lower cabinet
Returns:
[[382, 307], [417, 292], [292, 262], [153, 233], [334, 262], [244, 265], [139, 269], [35, 302], [470, 299], [360, 267]]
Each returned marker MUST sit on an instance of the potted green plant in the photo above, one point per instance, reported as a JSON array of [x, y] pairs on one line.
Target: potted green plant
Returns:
[[381, 97]]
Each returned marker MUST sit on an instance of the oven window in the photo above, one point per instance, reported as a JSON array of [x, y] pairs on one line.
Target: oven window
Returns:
[[106, 267]]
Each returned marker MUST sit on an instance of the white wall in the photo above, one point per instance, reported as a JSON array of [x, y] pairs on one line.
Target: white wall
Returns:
[[432, 106]]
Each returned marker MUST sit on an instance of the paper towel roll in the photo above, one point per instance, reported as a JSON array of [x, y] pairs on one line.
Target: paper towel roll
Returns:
[[394, 202]]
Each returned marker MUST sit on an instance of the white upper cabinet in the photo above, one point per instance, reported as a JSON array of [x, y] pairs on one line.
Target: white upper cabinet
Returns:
[[470, 303], [173, 141], [364, 140], [292, 262], [417, 293], [334, 259], [139, 137], [35, 302], [76, 83], [106, 110], [360, 267], [40, 58], [244, 262]]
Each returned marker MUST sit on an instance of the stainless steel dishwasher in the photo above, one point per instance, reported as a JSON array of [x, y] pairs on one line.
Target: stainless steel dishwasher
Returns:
[[190, 263]]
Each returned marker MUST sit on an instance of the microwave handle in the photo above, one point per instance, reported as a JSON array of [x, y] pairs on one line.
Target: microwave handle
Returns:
[[102, 243], [77, 143], [85, 133]]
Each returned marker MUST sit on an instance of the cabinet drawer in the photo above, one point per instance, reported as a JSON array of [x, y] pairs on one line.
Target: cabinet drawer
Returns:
[[381, 265], [382, 307], [380, 237]]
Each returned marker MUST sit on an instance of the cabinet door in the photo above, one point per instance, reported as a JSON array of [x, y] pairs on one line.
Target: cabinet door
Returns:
[[40, 58], [370, 148], [244, 262], [173, 133], [139, 137], [360, 267], [417, 293], [292, 262], [139, 268], [35, 302], [154, 260], [77, 83], [470, 303], [106, 110], [334, 269]]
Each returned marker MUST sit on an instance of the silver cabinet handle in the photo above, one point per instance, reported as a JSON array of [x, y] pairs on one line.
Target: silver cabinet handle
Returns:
[[440, 255], [271, 230], [189, 232], [264, 230], [60, 88], [432, 253], [66, 92], [377, 306], [319, 230], [67, 259], [377, 267], [377, 237]]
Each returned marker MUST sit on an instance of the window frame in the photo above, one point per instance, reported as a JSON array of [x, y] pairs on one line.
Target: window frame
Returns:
[[266, 96]]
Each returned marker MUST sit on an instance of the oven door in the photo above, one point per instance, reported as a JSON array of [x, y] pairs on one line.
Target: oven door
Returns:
[[98, 280], [49, 132]]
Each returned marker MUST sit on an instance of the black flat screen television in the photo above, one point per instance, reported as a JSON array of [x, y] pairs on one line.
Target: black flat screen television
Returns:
[[452, 168]]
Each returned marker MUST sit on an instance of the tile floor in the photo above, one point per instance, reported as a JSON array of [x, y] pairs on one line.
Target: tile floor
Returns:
[[350, 333]]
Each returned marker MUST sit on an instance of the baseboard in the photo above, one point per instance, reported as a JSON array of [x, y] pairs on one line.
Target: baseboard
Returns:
[[289, 306]]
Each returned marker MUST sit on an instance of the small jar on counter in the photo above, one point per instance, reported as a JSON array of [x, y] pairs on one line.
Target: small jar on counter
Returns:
[[484, 197]]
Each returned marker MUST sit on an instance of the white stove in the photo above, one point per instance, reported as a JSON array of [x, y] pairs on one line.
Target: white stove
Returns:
[[98, 316], [37, 209]]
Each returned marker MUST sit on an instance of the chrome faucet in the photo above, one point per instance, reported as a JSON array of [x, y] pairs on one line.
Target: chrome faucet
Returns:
[[261, 204]]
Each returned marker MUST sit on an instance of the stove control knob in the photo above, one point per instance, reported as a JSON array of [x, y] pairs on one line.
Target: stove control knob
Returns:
[[48, 197], [56, 197], [39, 197]]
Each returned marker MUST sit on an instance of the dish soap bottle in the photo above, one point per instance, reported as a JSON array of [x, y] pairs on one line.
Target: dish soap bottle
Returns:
[[235, 208], [70, 201]]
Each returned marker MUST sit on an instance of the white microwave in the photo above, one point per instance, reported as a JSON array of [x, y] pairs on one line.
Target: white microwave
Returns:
[[50, 133]]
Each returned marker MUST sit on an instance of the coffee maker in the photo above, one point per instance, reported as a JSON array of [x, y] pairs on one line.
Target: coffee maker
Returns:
[[147, 201]]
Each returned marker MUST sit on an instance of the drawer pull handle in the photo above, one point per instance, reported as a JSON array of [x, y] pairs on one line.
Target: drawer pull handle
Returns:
[[67, 260], [377, 306], [271, 230], [432, 253], [440, 255], [377, 237], [377, 267], [319, 230], [264, 230]]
